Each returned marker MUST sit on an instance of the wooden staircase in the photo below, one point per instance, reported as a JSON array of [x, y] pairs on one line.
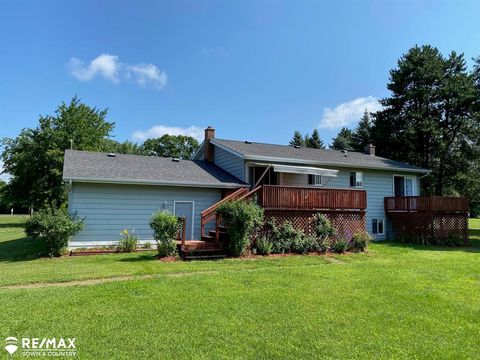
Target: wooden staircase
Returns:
[[212, 244]]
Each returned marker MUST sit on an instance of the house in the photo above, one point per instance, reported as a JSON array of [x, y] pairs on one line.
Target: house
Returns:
[[114, 191]]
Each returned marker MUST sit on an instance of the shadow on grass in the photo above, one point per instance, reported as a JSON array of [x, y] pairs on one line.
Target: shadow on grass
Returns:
[[474, 246], [12, 225], [140, 257], [21, 249]]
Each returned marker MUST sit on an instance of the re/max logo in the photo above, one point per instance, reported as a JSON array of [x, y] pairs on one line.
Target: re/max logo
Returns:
[[45, 343]]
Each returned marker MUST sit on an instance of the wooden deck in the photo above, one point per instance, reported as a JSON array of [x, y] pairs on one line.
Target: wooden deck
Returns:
[[426, 204], [280, 197]]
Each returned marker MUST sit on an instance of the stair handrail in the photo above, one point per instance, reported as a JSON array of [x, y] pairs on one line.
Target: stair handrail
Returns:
[[251, 193], [209, 213]]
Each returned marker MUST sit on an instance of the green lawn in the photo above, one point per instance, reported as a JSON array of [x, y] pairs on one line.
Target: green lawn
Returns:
[[395, 302]]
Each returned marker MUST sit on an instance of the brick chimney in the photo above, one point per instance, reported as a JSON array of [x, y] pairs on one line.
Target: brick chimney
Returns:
[[370, 149], [209, 148]]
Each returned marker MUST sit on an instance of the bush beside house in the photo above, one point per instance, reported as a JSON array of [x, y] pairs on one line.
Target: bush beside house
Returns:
[[165, 227], [54, 227], [244, 221]]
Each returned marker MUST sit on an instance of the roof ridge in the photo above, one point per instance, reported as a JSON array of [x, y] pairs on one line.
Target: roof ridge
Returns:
[[129, 155]]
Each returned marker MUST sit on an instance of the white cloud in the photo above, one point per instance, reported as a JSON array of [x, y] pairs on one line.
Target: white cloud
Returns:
[[159, 130], [105, 65], [109, 67], [348, 113], [145, 74]]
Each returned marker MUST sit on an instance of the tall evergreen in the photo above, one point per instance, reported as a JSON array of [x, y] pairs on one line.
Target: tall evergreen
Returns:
[[297, 139], [363, 133], [314, 141], [343, 140], [431, 119]]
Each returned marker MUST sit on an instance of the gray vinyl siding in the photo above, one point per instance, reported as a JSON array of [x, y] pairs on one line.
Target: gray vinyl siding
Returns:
[[378, 185], [230, 162], [108, 209]]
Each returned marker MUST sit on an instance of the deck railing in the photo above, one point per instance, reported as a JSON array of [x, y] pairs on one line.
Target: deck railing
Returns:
[[436, 204], [209, 214], [307, 198]]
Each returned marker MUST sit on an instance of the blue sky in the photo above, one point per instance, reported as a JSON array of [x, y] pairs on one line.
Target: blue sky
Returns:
[[255, 70]]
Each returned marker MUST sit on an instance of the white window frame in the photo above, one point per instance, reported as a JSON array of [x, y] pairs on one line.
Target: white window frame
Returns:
[[383, 226], [315, 180], [414, 184], [356, 186], [193, 214]]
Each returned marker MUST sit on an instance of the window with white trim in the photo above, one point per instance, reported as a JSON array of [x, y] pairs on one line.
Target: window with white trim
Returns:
[[403, 185], [356, 179], [315, 180], [378, 227]]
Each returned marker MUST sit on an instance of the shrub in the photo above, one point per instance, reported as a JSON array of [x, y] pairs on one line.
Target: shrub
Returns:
[[284, 237], [263, 245], [304, 244], [241, 218], [168, 248], [324, 245], [54, 227], [147, 245], [323, 227], [360, 241], [165, 227], [340, 245], [128, 241]]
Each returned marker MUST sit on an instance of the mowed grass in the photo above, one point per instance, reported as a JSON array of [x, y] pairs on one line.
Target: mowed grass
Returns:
[[395, 302]]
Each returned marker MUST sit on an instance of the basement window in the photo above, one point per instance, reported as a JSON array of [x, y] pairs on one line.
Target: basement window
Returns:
[[378, 227]]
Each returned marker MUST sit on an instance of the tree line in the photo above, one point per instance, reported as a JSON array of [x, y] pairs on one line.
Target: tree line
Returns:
[[431, 119], [346, 139], [34, 159]]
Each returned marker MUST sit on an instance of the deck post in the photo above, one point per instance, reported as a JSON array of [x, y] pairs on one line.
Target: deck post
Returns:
[[217, 228]]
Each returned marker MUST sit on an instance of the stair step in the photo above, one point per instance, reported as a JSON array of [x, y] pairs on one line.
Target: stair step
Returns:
[[205, 257], [209, 238], [210, 250]]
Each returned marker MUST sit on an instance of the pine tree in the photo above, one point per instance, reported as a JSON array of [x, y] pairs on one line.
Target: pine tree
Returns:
[[431, 118], [297, 139], [314, 141], [363, 133], [343, 141]]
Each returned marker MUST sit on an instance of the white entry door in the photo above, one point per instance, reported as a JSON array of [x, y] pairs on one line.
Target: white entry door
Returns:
[[186, 209]]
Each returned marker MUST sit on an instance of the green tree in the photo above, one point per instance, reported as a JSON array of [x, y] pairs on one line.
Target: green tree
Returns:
[[4, 205], [297, 139], [314, 141], [178, 146], [343, 140], [126, 147], [363, 133], [431, 118], [34, 159]]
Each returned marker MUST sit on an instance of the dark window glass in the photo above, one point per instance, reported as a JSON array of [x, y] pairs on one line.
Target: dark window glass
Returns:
[[399, 185], [374, 226]]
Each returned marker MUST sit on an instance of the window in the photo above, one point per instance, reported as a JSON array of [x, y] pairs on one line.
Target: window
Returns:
[[378, 227], [315, 180], [403, 185], [356, 179]]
